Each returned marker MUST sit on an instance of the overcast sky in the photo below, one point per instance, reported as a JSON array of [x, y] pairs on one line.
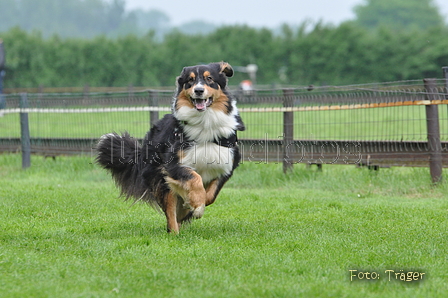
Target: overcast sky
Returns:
[[257, 13]]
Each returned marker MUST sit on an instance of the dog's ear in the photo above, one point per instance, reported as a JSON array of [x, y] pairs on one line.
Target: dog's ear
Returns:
[[226, 69], [181, 79], [182, 74], [223, 67]]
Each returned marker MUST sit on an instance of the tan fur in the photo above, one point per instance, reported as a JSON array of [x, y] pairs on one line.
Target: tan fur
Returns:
[[184, 100], [219, 101], [225, 67], [196, 191], [181, 212], [211, 192], [170, 213], [181, 155], [192, 190]]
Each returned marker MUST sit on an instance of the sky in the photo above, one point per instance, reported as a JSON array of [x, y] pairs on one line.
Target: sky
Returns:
[[256, 13]]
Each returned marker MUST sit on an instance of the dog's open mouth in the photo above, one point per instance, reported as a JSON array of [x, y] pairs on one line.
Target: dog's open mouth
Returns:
[[202, 104]]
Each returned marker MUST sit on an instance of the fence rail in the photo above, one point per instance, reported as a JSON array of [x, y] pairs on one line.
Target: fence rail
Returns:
[[362, 153], [377, 125]]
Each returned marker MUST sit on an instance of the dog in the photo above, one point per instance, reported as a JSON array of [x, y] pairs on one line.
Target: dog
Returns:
[[188, 155]]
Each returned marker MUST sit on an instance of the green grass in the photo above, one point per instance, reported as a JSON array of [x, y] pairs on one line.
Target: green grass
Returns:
[[76, 125], [64, 233], [393, 123]]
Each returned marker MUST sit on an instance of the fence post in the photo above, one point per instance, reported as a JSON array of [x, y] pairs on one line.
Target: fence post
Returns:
[[131, 91], [445, 75], [433, 129], [25, 132], [2, 74], [153, 102], [2, 98], [86, 91], [288, 130]]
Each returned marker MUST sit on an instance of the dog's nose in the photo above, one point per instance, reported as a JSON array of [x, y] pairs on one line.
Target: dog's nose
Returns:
[[199, 91]]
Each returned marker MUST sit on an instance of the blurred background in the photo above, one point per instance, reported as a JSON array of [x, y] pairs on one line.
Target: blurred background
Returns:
[[113, 43]]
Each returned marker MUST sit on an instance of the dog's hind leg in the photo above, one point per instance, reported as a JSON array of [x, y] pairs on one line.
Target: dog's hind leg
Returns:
[[213, 188], [171, 213], [211, 192]]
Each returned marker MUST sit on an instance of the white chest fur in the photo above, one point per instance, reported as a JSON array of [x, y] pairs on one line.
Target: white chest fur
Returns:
[[207, 158], [207, 126]]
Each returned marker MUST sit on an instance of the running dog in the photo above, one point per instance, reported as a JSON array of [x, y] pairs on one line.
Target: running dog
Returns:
[[188, 155]]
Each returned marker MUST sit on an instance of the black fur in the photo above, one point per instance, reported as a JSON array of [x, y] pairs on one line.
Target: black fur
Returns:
[[153, 171]]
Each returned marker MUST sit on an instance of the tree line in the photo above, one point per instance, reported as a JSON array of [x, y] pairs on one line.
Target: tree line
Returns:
[[321, 55], [96, 42], [88, 18]]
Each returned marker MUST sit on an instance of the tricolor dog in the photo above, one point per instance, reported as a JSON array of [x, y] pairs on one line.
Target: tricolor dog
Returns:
[[188, 155]]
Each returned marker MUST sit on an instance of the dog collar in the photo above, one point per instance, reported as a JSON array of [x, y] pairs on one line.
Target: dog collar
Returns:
[[228, 142]]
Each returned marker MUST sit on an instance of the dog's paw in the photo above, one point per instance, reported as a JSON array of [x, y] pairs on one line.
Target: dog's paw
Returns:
[[199, 211]]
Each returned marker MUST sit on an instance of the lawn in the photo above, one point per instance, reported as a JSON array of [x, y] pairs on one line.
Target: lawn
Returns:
[[406, 123], [65, 233]]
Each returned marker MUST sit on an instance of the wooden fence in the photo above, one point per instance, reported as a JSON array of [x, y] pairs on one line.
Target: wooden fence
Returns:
[[286, 107]]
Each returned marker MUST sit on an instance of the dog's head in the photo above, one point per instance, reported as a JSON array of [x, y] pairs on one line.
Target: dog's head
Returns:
[[203, 85]]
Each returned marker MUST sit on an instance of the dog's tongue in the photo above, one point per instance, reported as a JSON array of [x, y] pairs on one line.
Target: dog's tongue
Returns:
[[200, 104]]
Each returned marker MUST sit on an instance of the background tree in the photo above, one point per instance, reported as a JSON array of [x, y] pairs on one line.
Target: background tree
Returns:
[[398, 14], [319, 55], [68, 18], [89, 18], [197, 27], [152, 20]]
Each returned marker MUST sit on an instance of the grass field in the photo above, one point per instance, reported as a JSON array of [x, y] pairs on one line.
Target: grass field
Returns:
[[64, 233], [392, 123]]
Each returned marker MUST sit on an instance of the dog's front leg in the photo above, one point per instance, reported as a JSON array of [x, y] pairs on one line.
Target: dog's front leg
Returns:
[[192, 190], [196, 195]]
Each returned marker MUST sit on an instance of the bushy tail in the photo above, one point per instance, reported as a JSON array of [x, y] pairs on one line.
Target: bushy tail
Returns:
[[120, 155]]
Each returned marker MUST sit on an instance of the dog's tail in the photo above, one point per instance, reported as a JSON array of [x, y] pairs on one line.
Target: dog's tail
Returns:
[[120, 155]]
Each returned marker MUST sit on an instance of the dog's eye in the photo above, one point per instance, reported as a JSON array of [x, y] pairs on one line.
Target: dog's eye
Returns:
[[209, 79]]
